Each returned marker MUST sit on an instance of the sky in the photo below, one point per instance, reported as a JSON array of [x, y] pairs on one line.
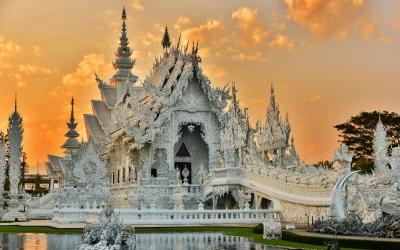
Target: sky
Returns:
[[328, 59]]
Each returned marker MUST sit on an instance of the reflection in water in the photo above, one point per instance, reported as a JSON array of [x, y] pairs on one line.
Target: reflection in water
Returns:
[[156, 241], [31, 241]]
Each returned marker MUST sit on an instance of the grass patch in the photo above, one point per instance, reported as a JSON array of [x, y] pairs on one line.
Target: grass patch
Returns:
[[37, 229], [353, 243]]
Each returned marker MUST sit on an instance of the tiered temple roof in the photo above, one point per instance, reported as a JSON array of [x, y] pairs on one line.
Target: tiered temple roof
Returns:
[[123, 63], [72, 142]]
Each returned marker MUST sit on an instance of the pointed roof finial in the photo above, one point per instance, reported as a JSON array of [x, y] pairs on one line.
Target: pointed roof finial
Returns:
[[272, 101], [15, 103], [123, 16], [72, 118], [179, 41], [166, 41], [272, 89]]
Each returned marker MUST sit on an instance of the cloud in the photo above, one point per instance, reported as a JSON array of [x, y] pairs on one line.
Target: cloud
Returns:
[[149, 38], [181, 21], [256, 56], [36, 50], [323, 17], [204, 52], [214, 70], [281, 41], [137, 5], [252, 32], [316, 98], [210, 31], [84, 73], [29, 69], [277, 26], [21, 84], [397, 24], [366, 28], [8, 48], [386, 39], [4, 66]]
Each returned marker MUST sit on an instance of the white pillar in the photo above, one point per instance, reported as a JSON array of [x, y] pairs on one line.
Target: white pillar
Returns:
[[51, 184]]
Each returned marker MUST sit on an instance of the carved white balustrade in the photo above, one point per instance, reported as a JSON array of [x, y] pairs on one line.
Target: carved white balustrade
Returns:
[[170, 217], [282, 189]]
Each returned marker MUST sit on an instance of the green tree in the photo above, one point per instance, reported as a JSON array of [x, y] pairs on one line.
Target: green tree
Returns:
[[4, 139], [38, 180], [358, 133], [323, 164]]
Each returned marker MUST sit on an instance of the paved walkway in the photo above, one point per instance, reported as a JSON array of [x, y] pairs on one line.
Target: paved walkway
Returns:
[[331, 236]]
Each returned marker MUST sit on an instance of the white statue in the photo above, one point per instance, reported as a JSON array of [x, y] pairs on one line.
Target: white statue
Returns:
[[272, 229], [344, 158]]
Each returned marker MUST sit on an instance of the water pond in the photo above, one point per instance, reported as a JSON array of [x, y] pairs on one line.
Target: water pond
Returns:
[[148, 241]]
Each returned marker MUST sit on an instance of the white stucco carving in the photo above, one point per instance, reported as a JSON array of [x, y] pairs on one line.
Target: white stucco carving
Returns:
[[174, 141]]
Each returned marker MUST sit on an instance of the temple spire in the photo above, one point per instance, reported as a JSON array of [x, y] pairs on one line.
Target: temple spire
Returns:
[[72, 124], [72, 135], [123, 63], [166, 41], [272, 101], [15, 103], [15, 134]]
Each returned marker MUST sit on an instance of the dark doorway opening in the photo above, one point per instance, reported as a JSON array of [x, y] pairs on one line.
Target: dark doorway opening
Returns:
[[266, 204], [183, 151], [154, 173], [181, 166]]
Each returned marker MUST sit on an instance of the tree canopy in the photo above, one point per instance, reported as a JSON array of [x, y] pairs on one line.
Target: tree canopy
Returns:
[[358, 134]]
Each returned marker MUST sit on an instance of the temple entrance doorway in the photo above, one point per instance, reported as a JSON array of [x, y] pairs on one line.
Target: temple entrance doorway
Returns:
[[190, 151]]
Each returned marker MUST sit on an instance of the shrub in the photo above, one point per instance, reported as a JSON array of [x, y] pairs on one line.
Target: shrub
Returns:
[[259, 229]]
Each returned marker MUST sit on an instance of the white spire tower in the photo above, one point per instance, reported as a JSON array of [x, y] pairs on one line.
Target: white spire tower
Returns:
[[2, 168], [380, 146], [15, 133]]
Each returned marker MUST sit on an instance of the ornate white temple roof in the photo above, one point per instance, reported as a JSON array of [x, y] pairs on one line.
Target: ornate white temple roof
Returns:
[[102, 113], [123, 63], [275, 133], [54, 163], [93, 127]]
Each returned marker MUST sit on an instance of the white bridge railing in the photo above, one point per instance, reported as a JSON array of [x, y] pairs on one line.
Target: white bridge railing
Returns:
[[170, 217]]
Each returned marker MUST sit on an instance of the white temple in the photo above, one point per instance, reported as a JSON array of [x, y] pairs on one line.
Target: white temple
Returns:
[[175, 143]]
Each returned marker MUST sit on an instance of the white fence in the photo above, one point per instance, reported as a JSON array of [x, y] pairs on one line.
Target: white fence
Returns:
[[170, 217], [43, 214]]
